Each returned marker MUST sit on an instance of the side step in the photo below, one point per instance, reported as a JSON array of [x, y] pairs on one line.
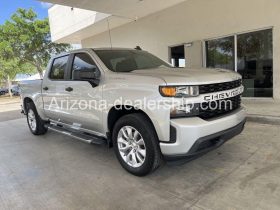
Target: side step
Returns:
[[85, 137]]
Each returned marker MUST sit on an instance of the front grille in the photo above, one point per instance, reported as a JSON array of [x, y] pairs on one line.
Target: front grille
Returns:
[[211, 88], [217, 108]]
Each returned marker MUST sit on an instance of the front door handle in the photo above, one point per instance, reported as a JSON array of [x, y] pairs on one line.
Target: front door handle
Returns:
[[69, 89], [45, 88]]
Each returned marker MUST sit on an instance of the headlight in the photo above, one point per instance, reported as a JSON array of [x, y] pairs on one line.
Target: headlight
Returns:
[[179, 91]]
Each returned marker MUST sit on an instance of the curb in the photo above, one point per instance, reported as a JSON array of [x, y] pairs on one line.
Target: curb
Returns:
[[9, 103], [264, 119]]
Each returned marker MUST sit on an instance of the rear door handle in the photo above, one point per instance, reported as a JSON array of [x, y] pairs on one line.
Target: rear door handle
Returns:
[[45, 88], [69, 89]]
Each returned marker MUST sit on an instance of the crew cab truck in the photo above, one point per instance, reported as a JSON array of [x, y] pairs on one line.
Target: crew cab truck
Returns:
[[142, 138]]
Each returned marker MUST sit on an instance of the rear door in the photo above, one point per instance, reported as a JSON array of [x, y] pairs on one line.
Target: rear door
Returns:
[[54, 89]]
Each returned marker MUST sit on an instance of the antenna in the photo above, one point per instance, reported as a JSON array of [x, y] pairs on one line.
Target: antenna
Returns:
[[109, 30]]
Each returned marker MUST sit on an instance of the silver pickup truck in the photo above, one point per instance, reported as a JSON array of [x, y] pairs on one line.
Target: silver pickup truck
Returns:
[[129, 99]]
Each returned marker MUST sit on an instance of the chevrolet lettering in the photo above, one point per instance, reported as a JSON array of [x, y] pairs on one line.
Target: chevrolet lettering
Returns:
[[224, 95]]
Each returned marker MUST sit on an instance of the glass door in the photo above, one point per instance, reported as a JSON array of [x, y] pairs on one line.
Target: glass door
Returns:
[[250, 54], [255, 63]]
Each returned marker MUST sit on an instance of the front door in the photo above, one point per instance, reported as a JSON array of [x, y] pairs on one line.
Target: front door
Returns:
[[85, 94]]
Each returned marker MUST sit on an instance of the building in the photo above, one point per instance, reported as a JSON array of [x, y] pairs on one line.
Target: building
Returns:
[[241, 35]]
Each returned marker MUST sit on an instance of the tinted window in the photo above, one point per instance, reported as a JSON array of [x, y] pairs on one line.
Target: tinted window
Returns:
[[255, 63], [58, 69], [83, 62], [129, 60], [220, 53]]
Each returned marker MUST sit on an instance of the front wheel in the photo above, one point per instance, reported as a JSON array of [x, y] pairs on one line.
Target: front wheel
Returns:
[[136, 144], [35, 123]]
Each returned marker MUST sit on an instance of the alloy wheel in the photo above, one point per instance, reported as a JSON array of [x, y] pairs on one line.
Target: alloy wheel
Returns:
[[131, 146], [31, 119]]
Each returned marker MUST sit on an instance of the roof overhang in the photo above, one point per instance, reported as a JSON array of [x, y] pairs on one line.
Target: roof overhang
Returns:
[[96, 16], [75, 36], [125, 8]]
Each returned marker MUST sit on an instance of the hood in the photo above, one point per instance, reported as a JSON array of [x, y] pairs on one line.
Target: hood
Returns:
[[185, 76]]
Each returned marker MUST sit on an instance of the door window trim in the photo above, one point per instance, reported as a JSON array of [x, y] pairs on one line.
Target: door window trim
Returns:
[[71, 55], [72, 62], [66, 68]]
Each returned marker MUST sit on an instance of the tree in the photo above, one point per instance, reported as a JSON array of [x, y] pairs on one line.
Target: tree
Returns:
[[28, 39], [8, 70]]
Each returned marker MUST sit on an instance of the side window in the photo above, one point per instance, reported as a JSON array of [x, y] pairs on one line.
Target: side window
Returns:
[[58, 69], [83, 65]]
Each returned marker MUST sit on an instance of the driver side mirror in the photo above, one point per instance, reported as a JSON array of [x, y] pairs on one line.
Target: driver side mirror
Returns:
[[91, 75]]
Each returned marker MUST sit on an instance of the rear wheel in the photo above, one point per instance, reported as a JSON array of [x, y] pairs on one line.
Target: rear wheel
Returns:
[[136, 144], [35, 123]]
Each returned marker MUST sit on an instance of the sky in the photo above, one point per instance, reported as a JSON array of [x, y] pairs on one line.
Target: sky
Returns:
[[8, 7]]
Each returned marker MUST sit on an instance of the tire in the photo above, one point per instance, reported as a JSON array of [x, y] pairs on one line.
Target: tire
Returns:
[[35, 123], [130, 150]]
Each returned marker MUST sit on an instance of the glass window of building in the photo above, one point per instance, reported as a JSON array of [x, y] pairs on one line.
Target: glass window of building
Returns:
[[254, 60], [178, 56], [255, 63], [220, 53]]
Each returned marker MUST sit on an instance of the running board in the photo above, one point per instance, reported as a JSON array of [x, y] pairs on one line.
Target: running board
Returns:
[[87, 138]]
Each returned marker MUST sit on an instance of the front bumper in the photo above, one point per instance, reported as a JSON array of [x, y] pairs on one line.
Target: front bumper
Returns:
[[196, 136]]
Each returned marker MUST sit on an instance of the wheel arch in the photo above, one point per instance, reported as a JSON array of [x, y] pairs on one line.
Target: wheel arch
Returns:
[[26, 101], [117, 112]]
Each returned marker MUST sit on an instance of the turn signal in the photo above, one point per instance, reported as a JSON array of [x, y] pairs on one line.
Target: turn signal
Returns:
[[168, 91]]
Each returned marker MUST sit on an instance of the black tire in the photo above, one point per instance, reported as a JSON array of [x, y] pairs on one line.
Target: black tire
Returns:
[[153, 157], [40, 124]]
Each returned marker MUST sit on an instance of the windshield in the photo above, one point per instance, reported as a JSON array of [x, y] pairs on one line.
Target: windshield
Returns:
[[129, 60]]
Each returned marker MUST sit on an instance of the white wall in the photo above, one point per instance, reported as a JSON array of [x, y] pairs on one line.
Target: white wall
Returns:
[[197, 20], [66, 21]]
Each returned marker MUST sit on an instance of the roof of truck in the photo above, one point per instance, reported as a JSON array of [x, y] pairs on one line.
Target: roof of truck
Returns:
[[113, 48], [87, 49]]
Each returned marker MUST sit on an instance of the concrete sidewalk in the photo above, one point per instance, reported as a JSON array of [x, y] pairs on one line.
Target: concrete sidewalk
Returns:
[[9, 104], [263, 110]]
